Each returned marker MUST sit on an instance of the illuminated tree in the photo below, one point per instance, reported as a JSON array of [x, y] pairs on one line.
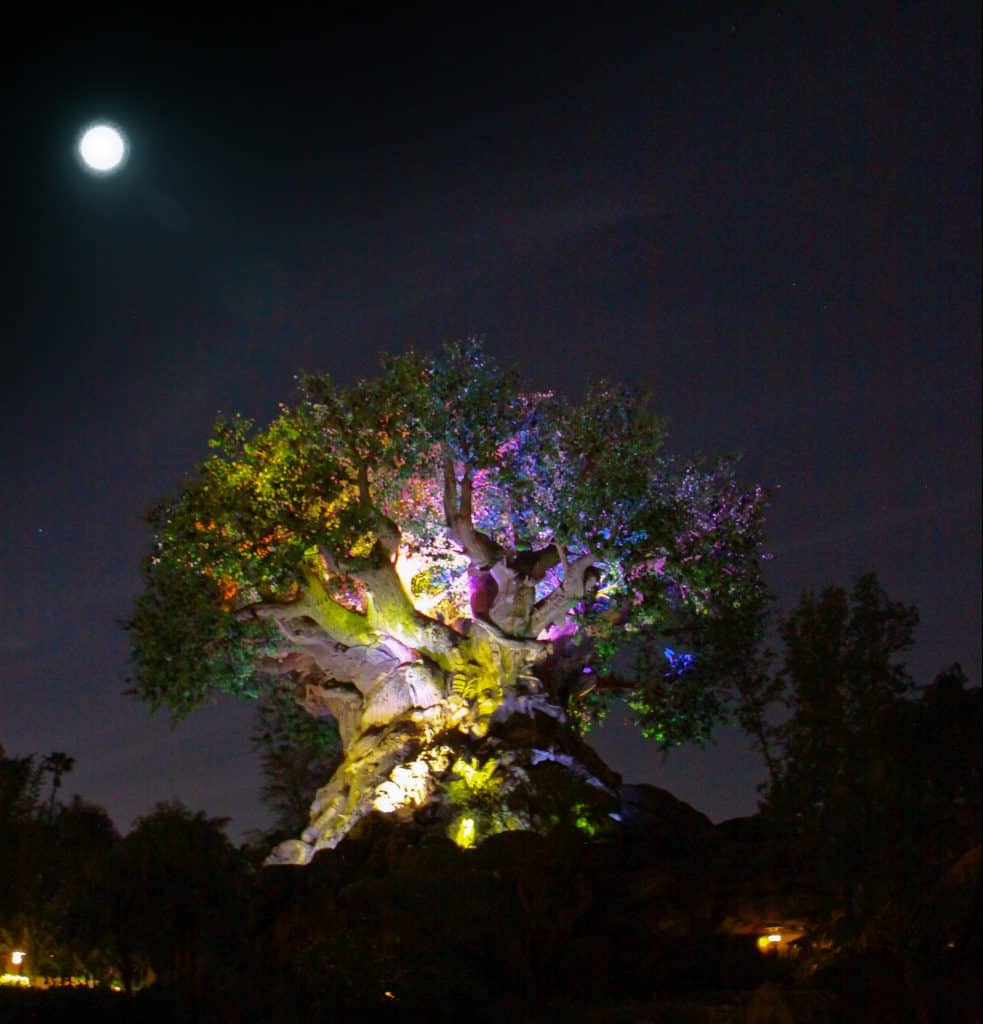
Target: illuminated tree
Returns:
[[461, 573]]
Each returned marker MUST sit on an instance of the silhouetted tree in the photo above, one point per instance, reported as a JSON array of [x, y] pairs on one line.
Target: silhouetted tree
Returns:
[[20, 845], [56, 764], [876, 786], [29, 849], [20, 782], [179, 897], [76, 873]]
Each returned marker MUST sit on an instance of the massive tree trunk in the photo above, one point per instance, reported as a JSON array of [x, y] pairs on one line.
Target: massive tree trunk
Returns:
[[461, 726], [473, 742]]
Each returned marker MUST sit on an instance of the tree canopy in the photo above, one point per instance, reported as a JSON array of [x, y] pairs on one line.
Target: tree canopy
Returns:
[[440, 491], [483, 548]]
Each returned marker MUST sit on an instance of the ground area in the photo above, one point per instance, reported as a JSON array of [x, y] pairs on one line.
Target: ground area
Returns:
[[669, 920]]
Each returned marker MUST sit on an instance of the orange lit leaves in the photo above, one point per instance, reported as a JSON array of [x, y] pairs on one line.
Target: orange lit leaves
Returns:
[[228, 591]]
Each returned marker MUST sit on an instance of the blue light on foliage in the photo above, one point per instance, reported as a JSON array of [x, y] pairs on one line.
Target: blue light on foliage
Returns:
[[679, 664]]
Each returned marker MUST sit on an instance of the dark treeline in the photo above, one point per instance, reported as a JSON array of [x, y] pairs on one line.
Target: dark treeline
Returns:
[[865, 850]]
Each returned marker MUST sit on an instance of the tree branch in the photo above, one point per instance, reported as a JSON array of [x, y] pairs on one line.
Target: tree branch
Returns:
[[364, 494], [450, 492], [479, 547], [389, 608], [554, 607], [341, 624], [536, 564], [392, 611]]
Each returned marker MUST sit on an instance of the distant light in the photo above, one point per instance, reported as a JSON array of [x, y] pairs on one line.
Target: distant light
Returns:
[[17, 957], [102, 148], [767, 942]]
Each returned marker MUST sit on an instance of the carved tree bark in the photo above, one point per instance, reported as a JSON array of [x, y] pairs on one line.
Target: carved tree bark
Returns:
[[461, 725]]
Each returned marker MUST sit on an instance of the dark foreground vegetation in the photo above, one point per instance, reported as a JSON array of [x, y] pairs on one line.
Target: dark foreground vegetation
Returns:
[[659, 922], [862, 865]]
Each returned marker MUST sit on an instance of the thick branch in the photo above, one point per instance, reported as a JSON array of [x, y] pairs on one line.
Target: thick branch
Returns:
[[478, 546], [364, 495], [536, 564], [392, 611], [341, 624], [450, 493], [327, 663], [512, 605], [388, 539], [341, 702], [288, 664], [553, 608]]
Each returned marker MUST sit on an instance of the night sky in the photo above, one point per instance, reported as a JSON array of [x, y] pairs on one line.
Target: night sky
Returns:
[[772, 222]]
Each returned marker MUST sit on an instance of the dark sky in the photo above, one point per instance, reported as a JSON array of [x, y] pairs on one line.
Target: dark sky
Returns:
[[773, 222]]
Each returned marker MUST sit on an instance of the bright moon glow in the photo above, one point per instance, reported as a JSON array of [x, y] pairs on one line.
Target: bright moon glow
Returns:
[[102, 148]]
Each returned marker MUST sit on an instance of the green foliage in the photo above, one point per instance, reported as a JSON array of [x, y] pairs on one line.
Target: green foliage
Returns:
[[468, 402], [475, 790], [472, 782], [588, 711], [706, 599], [185, 644], [584, 819], [676, 547]]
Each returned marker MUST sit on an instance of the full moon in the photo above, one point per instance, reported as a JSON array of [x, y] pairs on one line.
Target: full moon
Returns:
[[102, 148]]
